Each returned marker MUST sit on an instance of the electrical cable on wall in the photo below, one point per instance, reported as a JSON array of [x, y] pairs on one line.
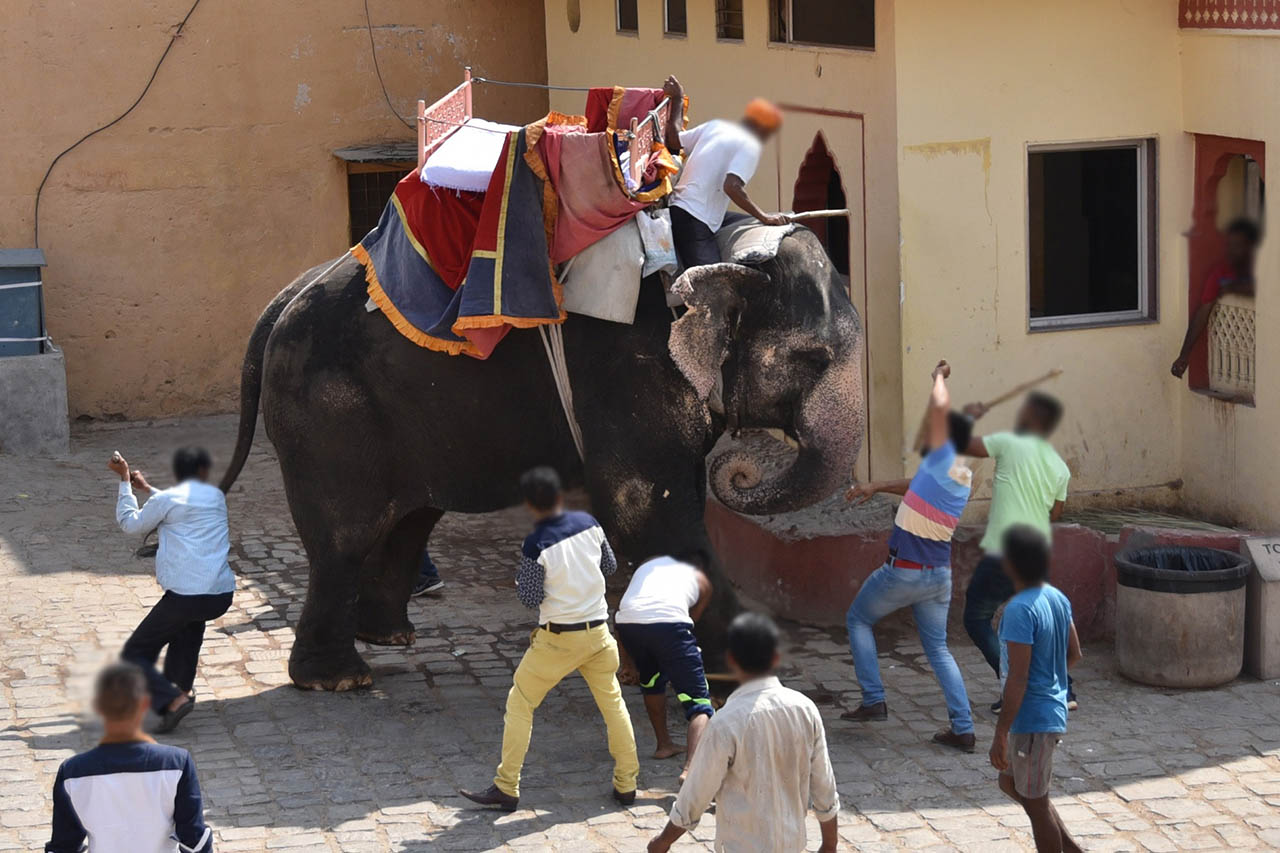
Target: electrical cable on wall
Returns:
[[177, 32], [374, 51]]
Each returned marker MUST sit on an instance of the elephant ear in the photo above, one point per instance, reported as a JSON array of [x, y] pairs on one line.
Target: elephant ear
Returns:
[[699, 341]]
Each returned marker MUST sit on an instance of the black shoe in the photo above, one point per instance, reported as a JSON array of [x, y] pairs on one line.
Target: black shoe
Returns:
[[169, 719], [964, 743], [428, 585], [627, 799], [876, 712], [997, 705], [493, 798]]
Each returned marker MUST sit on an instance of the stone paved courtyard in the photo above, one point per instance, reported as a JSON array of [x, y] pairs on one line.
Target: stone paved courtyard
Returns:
[[1140, 769]]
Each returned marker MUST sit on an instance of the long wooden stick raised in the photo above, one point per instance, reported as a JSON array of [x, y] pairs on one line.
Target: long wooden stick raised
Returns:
[[817, 214], [923, 432]]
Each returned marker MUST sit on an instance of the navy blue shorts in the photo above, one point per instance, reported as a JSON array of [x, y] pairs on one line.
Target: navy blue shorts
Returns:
[[666, 652]]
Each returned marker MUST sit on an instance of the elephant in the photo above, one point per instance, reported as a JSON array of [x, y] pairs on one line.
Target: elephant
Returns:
[[377, 438]]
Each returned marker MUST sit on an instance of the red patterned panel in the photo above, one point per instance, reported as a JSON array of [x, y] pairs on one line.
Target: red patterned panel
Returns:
[[1229, 14]]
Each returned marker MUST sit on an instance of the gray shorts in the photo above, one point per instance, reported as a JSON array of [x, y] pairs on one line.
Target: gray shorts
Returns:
[[1031, 762]]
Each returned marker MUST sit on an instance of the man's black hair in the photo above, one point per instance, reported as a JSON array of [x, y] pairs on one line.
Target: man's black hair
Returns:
[[188, 462], [960, 431], [696, 557], [1246, 228], [540, 487], [1027, 551], [753, 641], [1047, 409], [119, 689]]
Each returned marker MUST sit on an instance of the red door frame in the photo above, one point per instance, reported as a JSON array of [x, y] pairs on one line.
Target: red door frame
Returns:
[[1204, 240]]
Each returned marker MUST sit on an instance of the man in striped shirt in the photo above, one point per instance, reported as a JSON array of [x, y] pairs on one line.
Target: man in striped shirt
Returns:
[[128, 794], [918, 571]]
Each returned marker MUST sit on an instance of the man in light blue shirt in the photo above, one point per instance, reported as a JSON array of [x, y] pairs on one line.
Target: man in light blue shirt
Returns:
[[191, 567], [1038, 645]]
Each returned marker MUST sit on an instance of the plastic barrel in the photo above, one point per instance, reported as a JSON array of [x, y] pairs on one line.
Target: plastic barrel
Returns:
[[1180, 615]]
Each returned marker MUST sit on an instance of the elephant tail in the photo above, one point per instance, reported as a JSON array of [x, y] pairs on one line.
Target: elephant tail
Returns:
[[251, 370]]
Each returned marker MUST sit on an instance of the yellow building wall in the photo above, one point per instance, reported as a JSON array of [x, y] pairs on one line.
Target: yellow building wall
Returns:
[[976, 83], [168, 233], [1228, 451], [720, 77]]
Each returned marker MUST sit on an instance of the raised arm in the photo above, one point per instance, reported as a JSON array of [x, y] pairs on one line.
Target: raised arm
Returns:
[[939, 406], [860, 493], [675, 116]]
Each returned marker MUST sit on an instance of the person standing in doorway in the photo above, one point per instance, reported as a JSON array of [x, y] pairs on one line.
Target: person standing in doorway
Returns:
[[1233, 275], [655, 622], [563, 565], [720, 157], [1038, 644], [191, 567], [1030, 488], [918, 571]]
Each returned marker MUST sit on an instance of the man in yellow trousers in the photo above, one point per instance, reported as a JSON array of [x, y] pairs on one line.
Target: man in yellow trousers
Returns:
[[562, 570]]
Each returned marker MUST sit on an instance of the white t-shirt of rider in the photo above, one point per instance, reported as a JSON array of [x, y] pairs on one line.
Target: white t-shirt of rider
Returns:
[[713, 151]]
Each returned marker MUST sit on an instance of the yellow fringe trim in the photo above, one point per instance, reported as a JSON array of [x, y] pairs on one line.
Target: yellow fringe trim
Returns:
[[402, 324]]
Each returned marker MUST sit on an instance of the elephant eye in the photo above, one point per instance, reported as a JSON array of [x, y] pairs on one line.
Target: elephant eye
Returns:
[[819, 357]]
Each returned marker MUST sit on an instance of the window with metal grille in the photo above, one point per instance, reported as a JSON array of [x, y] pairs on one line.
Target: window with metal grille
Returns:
[[835, 23], [729, 20], [676, 21], [368, 190], [628, 16], [1091, 238]]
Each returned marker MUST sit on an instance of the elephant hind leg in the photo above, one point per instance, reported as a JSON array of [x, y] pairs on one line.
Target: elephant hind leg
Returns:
[[387, 578]]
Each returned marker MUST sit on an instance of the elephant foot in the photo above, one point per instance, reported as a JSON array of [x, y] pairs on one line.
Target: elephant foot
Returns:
[[337, 671], [379, 636]]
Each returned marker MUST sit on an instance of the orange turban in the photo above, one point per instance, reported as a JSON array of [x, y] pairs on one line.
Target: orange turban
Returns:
[[763, 114]]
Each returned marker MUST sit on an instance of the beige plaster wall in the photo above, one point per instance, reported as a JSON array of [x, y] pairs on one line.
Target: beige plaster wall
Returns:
[[720, 77], [168, 233], [976, 84]]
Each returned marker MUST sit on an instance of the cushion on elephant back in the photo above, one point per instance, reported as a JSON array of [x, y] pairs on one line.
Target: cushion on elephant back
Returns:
[[743, 240]]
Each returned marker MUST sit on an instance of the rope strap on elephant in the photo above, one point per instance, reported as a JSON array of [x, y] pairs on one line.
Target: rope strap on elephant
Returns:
[[553, 343]]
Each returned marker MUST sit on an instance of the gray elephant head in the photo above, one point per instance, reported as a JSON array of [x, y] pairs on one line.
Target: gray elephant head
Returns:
[[788, 343]]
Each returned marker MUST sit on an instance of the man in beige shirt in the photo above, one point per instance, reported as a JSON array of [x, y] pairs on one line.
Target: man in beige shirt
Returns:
[[763, 759]]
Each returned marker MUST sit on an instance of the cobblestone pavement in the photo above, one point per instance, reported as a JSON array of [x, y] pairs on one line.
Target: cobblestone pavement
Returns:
[[281, 769]]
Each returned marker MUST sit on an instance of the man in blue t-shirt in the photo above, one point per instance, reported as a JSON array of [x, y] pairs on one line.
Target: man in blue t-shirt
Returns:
[[1038, 643], [918, 571]]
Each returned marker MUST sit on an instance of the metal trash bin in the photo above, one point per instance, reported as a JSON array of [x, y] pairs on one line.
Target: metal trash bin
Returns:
[[1180, 615]]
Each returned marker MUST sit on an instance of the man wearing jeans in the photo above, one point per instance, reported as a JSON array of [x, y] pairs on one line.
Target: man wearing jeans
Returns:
[[918, 571], [1030, 488]]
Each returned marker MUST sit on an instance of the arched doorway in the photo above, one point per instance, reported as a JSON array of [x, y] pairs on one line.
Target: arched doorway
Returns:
[[819, 187]]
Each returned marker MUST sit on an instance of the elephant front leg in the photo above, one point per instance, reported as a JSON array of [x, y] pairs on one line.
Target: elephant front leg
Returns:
[[387, 578]]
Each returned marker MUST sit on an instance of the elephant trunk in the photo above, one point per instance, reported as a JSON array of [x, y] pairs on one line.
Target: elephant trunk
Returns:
[[829, 429]]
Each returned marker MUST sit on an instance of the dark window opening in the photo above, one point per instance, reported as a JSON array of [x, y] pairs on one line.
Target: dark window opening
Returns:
[[838, 23], [729, 20], [367, 194], [677, 23], [628, 16], [1091, 216]]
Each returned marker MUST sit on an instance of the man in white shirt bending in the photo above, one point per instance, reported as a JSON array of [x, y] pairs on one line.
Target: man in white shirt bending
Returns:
[[191, 567], [655, 625], [763, 759], [720, 158]]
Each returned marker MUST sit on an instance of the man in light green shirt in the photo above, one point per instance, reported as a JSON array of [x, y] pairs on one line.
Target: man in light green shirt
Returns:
[[1030, 488]]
